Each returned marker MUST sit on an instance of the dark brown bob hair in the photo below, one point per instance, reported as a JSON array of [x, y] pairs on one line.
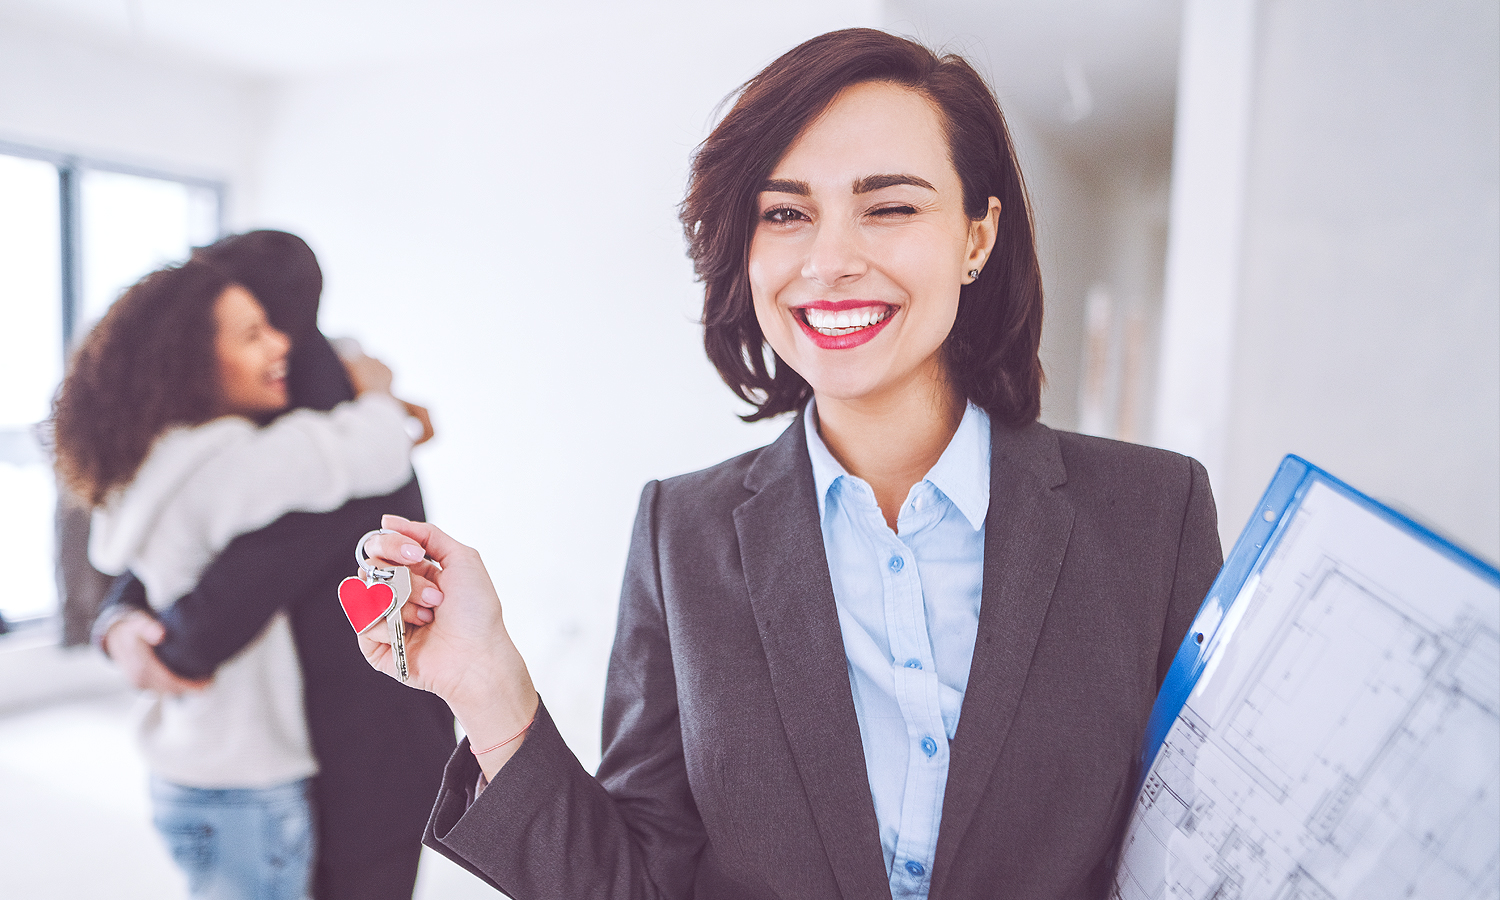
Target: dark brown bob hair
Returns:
[[991, 353], [148, 365]]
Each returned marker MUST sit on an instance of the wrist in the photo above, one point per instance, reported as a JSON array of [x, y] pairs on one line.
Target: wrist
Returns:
[[500, 745], [497, 732], [495, 705], [499, 713]]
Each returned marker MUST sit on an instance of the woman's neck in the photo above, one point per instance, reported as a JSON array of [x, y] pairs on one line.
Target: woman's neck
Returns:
[[892, 442]]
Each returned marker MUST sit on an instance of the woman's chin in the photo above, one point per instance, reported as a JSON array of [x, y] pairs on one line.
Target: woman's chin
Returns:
[[850, 391], [860, 387]]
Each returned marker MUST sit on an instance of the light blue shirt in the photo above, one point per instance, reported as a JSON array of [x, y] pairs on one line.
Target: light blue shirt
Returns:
[[908, 605]]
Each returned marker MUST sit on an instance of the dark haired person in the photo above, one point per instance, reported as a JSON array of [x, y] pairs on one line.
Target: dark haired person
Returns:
[[909, 648], [367, 841]]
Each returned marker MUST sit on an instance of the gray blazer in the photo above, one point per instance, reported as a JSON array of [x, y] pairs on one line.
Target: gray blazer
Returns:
[[732, 762]]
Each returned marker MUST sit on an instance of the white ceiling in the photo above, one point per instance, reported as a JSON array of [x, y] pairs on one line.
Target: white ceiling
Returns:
[[281, 38], [1086, 73]]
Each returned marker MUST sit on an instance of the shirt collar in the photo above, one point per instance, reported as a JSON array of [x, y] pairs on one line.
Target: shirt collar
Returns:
[[826, 469], [962, 473]]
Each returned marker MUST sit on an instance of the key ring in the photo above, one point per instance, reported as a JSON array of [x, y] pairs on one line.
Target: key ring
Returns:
[[363, 561], [380, 573]]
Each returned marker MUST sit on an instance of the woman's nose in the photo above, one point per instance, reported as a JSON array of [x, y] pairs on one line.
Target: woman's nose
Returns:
[[834, 254], [283, 344]]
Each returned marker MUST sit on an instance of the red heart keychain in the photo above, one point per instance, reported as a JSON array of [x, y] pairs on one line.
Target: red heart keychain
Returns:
[[365, 604]]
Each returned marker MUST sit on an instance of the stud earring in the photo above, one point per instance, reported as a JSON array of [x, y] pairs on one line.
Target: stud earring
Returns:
[[973, 274]]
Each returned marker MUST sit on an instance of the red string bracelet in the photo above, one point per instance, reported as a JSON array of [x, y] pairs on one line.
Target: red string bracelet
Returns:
[[523, 730]]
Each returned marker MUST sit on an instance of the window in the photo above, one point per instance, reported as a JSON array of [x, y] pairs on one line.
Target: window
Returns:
[[74, 233]]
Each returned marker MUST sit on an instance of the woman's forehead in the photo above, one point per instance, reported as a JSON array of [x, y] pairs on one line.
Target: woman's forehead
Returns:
[[237, 305], [870, 129]]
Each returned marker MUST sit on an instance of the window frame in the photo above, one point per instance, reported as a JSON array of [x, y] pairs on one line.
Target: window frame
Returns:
[[70, 168]]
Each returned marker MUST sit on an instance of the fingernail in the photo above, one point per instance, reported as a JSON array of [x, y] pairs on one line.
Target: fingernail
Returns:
[[411, 552], [432, 596], [424, 614]]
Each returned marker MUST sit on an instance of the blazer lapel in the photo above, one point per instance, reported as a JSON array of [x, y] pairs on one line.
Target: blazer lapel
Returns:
[[1026, 537], [786, 571]]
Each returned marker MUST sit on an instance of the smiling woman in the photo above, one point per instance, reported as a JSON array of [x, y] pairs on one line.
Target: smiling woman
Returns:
[[901, 105], [909, 648], [840, 256], [251, 354]]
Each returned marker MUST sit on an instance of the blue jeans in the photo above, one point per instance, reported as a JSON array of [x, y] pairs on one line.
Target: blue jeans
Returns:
[[238, 843]]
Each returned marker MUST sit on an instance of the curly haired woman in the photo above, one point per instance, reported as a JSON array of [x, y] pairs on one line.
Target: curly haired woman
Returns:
[[159, 425]]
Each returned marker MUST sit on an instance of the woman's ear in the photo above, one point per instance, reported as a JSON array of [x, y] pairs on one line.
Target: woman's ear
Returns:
[[982, 234]]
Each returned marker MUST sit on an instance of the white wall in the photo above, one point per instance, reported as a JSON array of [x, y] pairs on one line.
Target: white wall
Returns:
[[1101, 239], [501, 226], [1364, 315], [61, 92], [1070, 247]]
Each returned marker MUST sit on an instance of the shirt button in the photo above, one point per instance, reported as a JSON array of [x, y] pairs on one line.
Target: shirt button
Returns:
[[929, 746], [914, 664], [897, 563], [916, 869]]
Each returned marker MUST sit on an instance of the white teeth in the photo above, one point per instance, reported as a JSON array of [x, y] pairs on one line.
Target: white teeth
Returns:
[[845, 321]]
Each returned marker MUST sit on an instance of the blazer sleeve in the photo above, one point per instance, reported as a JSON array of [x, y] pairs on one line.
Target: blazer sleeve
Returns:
[[545, 828], [237, 594], [1199, 558]]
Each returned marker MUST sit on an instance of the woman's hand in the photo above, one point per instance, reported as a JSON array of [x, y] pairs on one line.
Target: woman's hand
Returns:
[[464, 654], [131, 643], [367, 373]]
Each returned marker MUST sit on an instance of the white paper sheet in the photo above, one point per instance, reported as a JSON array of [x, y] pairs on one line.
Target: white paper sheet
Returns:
[[1343, 737]]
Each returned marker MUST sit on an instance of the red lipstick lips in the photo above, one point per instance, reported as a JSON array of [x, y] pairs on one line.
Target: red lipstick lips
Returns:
[[842, 341]]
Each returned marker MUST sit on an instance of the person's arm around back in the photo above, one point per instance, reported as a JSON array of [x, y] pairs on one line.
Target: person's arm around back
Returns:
[[128, 633]]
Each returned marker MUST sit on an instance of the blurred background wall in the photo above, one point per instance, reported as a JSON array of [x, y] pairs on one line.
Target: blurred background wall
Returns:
[[1267, 227], [1333, 283]]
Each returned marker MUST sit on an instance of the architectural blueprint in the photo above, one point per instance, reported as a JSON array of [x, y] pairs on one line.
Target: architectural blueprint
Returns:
[[1340, 736]]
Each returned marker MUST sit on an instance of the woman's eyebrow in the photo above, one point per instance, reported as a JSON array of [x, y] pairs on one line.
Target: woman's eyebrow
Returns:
[[861, 186], [876, 182], [786, 186]]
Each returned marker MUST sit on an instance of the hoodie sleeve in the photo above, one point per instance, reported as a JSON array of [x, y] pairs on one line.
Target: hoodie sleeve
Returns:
[[305, 461]]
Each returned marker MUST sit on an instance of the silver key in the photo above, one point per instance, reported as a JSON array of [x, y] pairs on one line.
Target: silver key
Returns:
[[399, 579]]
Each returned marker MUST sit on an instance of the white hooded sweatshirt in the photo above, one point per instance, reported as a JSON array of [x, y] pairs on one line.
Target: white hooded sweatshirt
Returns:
[[197, 490]]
